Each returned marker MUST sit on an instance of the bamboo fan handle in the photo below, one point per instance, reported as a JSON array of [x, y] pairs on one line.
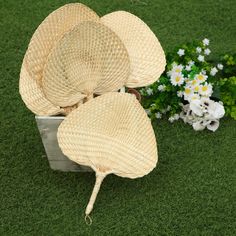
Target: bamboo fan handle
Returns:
[[99, 178], [89, 97]]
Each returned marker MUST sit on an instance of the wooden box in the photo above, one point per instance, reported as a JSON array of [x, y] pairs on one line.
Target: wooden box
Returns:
[[48, 126]]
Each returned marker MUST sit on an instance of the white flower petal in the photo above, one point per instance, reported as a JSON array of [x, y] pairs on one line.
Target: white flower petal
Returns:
[[191, 63], [206, 41], [213, 71], [171, 119], [220, 66], [181, 52], [216, 110], [198, 126], [207, 51], [188, 68], [213, 125], [196, 107], [176, 116], [158, 115], [149, 91], [161, 88], [201, 58], [198, 50]]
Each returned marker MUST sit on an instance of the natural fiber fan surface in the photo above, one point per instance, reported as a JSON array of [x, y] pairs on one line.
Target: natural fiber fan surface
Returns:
[[33, 96], [50, 31], [89, 59], [111, 134], [147, 58]]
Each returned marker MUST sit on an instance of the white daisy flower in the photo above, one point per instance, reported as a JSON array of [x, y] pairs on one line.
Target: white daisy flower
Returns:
[[198, 50], [171, 119], [207, 51], [193, 82], [176, 79], [201, 77], [196, 88], [220, 66], [213, 71], [149, 91], [180, 94], [181, 52], [201, 58], [177, 68], [206, 90], [187, 92], [205, 42], [161, 88], [168, 108], [158, 115]]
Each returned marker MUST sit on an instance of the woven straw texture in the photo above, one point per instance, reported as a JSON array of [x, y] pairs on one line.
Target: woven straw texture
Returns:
[[147, 58], [111, 134], [89, 59], [33, 96], [50, 31]]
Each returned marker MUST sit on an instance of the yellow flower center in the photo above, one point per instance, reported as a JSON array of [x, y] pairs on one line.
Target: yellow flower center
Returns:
[[187, 91], [200, 77], [196, 89], [177, 70], [194, 82], [177, 79], [204, 88]]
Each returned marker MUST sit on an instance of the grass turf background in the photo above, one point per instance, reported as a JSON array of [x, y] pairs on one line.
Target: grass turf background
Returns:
[[191, 192]]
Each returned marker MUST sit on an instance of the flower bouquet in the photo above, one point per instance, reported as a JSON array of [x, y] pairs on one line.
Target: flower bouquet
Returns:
[[186, 89]]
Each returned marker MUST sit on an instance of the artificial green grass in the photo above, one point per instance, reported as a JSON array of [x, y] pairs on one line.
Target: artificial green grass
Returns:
[[191, 192]]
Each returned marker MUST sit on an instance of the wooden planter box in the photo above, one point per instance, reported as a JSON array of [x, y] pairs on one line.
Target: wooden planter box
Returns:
[[48, 126]]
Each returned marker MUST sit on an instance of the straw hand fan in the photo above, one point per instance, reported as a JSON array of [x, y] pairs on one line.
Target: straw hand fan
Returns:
[[147, 58], [90, 59], [111, 134], [50, 31], [46, 36], [33, 97]]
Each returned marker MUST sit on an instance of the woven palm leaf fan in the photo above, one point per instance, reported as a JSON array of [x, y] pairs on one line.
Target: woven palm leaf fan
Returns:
[[44, 39], [50, 31], [147, 58], [35, 99], [111, 134], [33, 96], [90, 59]]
